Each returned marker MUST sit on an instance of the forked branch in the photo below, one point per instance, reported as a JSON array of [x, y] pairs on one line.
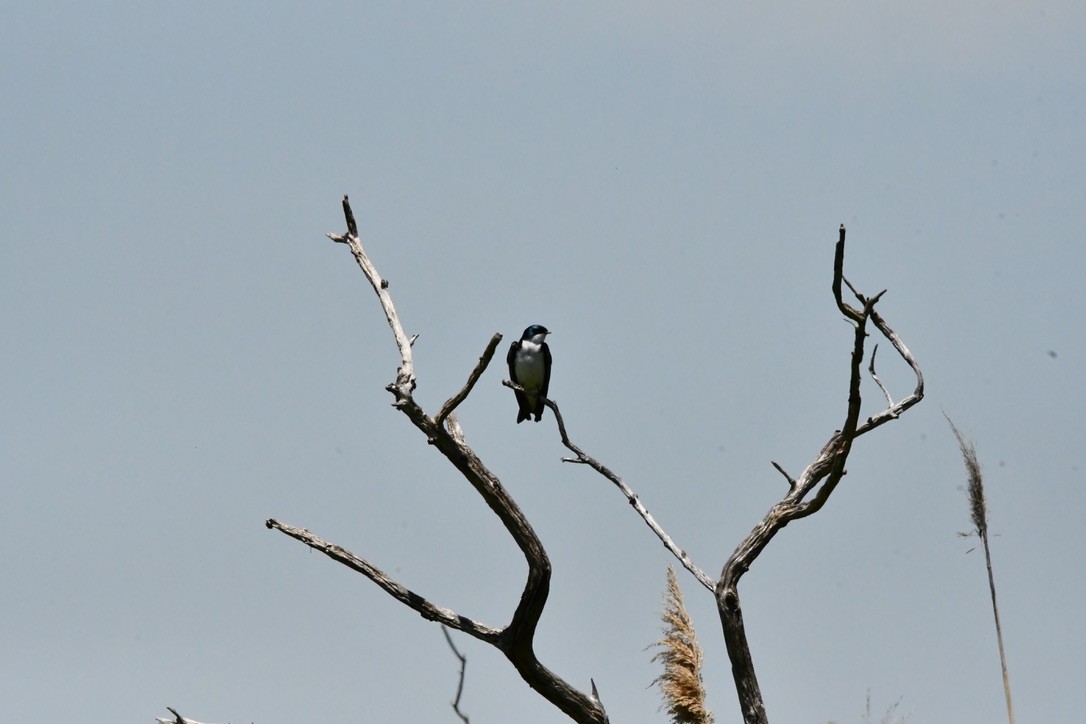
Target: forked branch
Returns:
[[818, 480], [516, 639]]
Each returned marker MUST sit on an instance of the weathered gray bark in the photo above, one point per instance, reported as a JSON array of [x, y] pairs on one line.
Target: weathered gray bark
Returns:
[[515, 640], [442, 431], [824, 473]]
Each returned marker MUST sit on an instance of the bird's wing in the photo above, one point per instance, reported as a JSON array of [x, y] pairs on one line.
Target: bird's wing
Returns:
[[546, 370], [511, 360]]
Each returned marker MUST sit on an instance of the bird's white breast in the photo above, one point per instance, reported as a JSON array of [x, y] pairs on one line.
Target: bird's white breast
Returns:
[[529, 365]]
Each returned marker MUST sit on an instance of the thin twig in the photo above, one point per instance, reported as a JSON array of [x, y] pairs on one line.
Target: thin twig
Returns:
[[635, 501], [476, 373], [791, 481], [460, 685], [875, 376]]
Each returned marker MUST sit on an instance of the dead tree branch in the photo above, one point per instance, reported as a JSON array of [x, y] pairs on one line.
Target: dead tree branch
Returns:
[[875, 377], [515, 640], [635, 501], [460, 686], [484, 360], [177, 718], [824, 473], [407, 597]]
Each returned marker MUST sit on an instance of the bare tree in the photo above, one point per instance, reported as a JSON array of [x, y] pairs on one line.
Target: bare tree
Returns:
[[515, 640]]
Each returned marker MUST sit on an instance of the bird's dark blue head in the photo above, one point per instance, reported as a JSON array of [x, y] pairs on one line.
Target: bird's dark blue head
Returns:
[[534, 330]]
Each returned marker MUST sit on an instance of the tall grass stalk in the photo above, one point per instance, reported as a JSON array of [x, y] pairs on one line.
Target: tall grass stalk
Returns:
[[978, 509]]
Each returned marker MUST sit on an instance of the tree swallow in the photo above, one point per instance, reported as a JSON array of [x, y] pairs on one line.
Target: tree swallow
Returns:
[[530, 367]]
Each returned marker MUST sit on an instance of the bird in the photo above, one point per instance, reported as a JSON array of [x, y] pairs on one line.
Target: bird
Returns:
[[530, 367]]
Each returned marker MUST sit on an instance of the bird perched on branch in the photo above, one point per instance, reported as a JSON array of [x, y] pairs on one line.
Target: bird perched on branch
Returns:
[[530, 367]]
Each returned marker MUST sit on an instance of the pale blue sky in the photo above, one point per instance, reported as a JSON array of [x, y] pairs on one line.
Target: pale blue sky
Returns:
[[185, 354]]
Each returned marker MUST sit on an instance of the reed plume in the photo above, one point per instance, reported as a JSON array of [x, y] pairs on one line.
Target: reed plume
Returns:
[[681, 683], [978, 509]]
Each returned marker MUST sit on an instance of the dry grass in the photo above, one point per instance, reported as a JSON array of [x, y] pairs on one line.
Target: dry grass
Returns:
[[681, 683], [978, 507], [978, 510]]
